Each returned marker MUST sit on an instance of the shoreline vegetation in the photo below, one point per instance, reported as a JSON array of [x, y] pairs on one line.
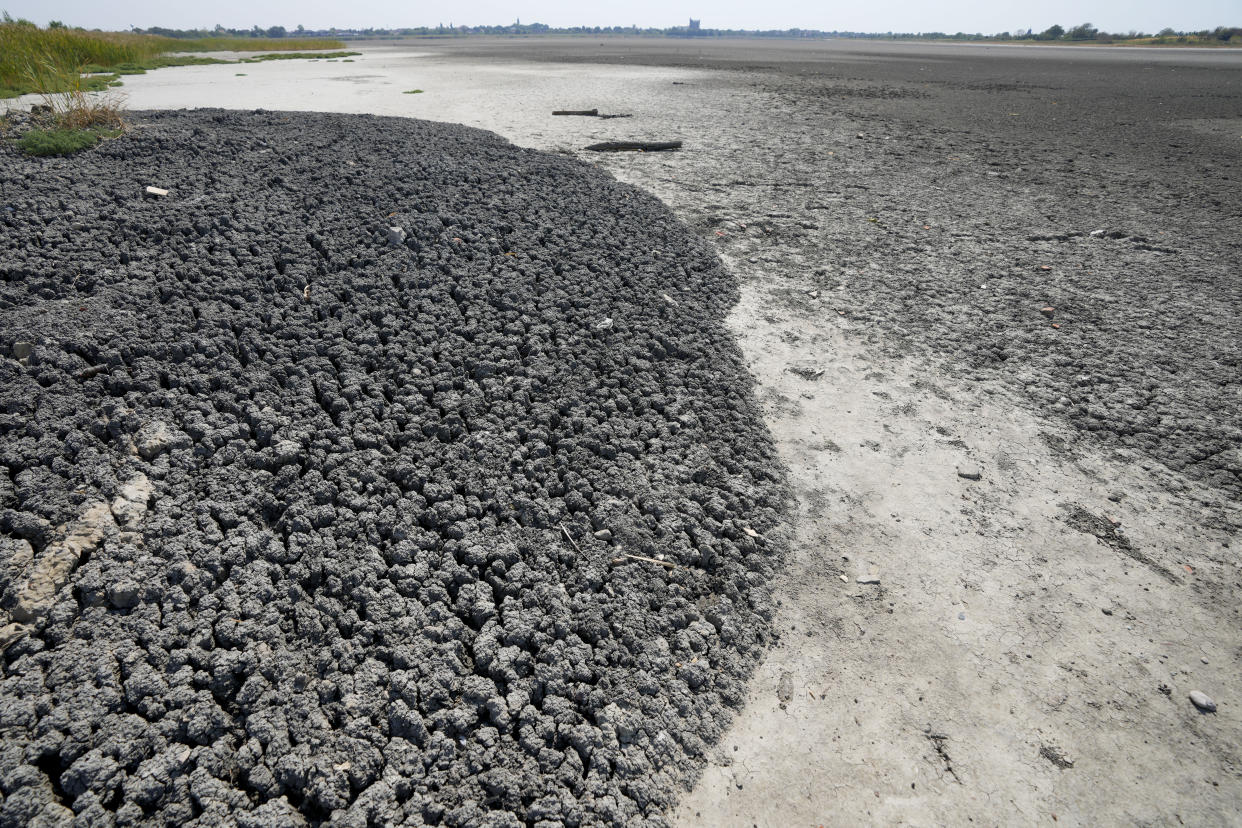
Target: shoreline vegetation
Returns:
[[1084, 33], [60, 60]]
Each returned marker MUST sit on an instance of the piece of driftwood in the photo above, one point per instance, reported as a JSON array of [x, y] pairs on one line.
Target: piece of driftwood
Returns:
[[591, 113], [635, 146], [619, 115]]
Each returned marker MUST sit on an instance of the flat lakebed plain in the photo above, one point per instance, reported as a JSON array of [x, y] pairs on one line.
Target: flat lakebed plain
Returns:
[[945, 395]]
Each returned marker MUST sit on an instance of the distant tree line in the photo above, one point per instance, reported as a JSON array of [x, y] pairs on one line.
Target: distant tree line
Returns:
[[1084, 32], [220, 31]]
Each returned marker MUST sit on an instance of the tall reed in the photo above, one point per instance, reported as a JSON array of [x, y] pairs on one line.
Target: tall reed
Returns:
[[30, 56]]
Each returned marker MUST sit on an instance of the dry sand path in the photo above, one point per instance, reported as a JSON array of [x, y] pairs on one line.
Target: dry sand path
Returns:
[[1015, 649]]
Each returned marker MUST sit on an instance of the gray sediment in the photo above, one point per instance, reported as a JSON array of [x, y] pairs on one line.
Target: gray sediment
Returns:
[[303, 525]]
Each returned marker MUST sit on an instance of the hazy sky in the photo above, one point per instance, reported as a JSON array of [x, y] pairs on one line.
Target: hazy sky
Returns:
[[987, 16]]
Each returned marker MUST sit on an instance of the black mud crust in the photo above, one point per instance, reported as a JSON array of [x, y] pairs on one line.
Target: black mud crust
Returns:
[[337, 520]]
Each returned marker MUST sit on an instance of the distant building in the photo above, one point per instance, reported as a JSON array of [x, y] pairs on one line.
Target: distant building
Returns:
[[694, 25]]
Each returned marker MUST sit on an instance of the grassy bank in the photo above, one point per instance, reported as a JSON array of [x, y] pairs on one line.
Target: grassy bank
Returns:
[[34, 60]]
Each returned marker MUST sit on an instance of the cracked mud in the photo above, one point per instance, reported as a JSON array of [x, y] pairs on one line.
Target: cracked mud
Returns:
[[297, 524]]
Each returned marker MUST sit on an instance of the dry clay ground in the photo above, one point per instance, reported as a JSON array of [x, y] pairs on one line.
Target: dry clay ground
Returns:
[[1013, 649], [1026, 649]]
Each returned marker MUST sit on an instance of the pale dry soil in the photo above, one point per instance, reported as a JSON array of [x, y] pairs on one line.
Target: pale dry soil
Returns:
[[1024, 650]]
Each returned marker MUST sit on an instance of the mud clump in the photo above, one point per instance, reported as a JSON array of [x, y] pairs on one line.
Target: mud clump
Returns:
[[350, 518]]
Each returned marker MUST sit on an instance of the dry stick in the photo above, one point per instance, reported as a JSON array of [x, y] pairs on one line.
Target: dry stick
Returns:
[[570, 538], [624, 555], [649, 560], [591, 113]]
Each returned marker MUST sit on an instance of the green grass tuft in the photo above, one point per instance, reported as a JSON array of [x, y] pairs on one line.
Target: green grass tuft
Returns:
[[44, 142], [412, 92]]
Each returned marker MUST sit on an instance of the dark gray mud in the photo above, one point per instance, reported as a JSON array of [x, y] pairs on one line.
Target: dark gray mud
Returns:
[[298, 525], [944, 194]]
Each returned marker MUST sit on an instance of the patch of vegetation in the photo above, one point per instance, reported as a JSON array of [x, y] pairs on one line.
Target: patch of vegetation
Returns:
[[298, 56], [31, 58], [251, 44], [412, 92], [45, 61], [44, 142], [158, 62]]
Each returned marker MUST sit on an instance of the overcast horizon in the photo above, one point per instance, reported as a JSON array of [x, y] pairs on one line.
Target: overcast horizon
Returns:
[[881, 16]]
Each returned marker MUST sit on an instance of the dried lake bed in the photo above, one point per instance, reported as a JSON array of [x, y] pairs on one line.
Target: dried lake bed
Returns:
[[989, 296]]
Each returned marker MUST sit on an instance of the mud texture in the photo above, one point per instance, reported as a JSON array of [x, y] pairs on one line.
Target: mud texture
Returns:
[[964, 189], [940, 638], [299, 524]]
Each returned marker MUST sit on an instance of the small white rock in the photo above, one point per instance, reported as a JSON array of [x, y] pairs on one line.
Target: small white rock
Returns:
[[969, 471], [396, 236], [1202, 701], [156, 191]]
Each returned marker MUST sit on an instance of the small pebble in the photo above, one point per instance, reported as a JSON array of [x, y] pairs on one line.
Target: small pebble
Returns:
[[1202, 701], [396, 235], [969, 471], [867, 579], [961, 616], [604, 534], [1106, 611]]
